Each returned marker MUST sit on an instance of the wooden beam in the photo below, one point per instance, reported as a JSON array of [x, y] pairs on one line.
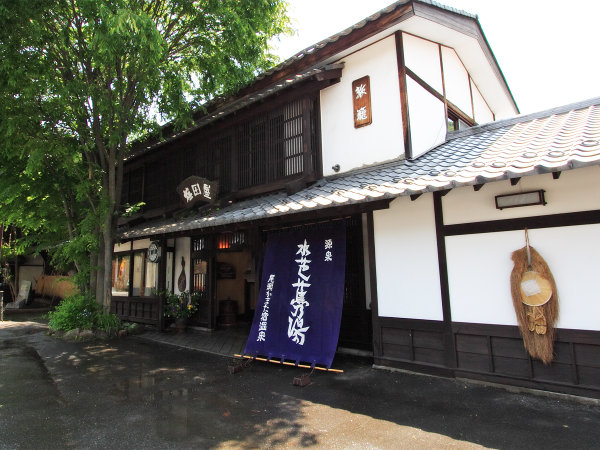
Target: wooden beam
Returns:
[[443, 84], [477, 187], [444, 192], [449, 105], [331, 74], [308, 60], [556, 175], [514, 181], [408, 154], [413, 197], [546, 221]]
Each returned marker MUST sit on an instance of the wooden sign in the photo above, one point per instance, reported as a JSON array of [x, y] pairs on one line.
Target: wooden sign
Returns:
[[361, 101], [225, 271], [195, 189]]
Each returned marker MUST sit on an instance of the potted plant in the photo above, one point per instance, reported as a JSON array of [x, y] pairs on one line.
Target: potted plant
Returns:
[[180, 307]]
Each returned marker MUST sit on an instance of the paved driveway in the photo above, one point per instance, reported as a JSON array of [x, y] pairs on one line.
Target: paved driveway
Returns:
[[136, 393]]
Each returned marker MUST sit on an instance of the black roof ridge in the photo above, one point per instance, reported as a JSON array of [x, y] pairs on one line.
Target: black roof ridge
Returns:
[[491, 126]]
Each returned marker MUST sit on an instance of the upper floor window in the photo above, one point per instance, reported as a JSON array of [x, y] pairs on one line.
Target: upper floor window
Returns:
[[261, 148]]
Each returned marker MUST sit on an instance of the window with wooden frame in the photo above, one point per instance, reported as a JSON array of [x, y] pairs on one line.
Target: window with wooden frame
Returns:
[[133, 275], [456, 121], [452, 122]]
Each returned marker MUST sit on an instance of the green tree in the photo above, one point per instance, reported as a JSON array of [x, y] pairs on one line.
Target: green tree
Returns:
[[81, 79]]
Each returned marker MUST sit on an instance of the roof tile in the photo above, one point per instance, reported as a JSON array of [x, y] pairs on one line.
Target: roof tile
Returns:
[[559, 139]]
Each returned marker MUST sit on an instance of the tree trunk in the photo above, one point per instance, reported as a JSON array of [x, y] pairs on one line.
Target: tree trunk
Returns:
[[108, 248], [93, 271], [108, 231], [99, 273]]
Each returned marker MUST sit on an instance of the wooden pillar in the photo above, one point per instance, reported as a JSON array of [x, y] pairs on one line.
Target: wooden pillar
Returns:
[[449, 344], [211, 279], [370, 251], [162, 281]]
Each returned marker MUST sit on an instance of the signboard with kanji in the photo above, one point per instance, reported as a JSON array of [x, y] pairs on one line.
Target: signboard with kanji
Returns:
[[194, 189], [361, 101]]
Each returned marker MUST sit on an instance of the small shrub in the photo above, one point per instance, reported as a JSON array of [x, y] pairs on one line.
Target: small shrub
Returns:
[[76, 311], [107, 322], [79, 311]]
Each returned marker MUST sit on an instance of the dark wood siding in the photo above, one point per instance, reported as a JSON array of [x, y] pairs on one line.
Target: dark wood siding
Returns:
[[493, 353], [412, 342], [137, 309]]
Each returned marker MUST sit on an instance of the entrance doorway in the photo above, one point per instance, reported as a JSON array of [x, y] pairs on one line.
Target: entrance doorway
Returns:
[[356, 331], [235, 287]]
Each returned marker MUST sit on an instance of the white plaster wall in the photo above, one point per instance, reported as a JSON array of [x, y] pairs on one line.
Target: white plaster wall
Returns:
[[30, 273], [406, 260], [423, 58], [427, 119], [479, 269], [456, 80], [381, 140], [141, 244], [483, 114], [122, 247], [575, 190], [182, 249]]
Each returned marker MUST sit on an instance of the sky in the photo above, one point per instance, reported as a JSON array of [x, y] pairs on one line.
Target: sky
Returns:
[[548, 50]]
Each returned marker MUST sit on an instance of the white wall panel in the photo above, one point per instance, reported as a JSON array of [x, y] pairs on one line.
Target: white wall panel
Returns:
[[575, 190], [478, 276], [406, 260], [423, 58], [382, 140], [125, 246], [141, 244], [427, 119], [482, 111], [182, 249], [456, 80], [479, 269]]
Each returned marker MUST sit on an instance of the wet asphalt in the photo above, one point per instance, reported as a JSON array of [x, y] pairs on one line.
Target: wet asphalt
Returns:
[[134, 393]]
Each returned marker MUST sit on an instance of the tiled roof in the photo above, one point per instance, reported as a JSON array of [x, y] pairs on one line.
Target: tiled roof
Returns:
[[555, 140]]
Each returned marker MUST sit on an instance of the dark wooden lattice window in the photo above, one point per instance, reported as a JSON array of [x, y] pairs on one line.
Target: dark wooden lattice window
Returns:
[[231, 241], [154, 186], [293, 138], [266, 148], [136, 186]]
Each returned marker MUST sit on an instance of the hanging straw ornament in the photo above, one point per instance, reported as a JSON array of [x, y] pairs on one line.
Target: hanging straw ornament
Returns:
[[535, 301]]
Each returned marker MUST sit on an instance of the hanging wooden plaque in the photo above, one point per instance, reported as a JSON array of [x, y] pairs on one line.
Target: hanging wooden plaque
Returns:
[[195, 189], [361, 102]]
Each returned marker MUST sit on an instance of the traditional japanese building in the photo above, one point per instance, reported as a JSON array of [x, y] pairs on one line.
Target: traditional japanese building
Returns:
[[400, 129]]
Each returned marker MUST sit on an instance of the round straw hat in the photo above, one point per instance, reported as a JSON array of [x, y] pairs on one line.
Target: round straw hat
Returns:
[[535, 289]]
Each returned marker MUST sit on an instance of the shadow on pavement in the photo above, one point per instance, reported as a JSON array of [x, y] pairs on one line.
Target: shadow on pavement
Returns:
[[133, 393]]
